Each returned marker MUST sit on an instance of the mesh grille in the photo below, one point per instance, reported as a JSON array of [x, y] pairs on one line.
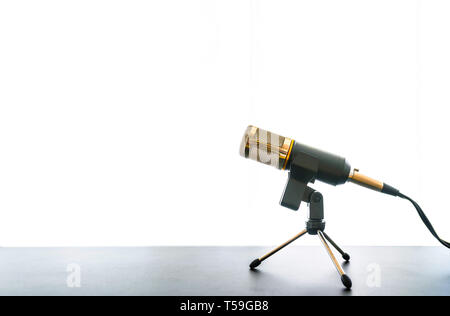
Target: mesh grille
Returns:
[[265, 147]]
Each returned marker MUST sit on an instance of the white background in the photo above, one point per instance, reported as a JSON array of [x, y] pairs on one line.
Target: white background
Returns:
[[120, 121]]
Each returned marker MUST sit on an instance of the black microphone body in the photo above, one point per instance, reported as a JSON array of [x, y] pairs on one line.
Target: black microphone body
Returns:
[[332, 169]]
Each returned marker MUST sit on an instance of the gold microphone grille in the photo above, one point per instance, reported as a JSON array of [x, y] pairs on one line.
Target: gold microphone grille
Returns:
[[265, 147]]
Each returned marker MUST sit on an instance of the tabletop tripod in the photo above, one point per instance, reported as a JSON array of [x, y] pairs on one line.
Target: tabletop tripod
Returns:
[[314, 226]]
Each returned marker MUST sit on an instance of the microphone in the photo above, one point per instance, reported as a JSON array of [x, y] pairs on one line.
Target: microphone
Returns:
[[307, 164], [280, 152]]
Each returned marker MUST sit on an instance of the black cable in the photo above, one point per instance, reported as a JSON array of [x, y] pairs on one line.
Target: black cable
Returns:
[[425, 219]]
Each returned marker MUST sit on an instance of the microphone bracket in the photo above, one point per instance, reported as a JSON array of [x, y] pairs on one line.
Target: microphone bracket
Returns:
[[303, 170]]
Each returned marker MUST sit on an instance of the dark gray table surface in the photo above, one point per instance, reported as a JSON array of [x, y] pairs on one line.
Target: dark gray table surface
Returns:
[[296, 270]]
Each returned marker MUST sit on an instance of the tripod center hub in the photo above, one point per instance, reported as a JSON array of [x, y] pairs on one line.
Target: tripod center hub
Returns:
[[312, 226]]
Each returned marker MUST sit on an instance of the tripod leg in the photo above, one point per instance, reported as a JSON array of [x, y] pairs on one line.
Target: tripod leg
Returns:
[[344, 278], [345, 255], [258, 261]]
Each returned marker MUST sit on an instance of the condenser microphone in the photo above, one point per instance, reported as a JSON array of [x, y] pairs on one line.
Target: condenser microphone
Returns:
[[307, 164], [285, 153]]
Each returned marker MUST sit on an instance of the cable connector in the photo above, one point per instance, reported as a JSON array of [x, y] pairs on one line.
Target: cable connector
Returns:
[[389, 190]]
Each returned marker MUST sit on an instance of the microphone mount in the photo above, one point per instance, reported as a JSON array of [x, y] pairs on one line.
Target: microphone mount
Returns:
[[304, 169], [314, 226]]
